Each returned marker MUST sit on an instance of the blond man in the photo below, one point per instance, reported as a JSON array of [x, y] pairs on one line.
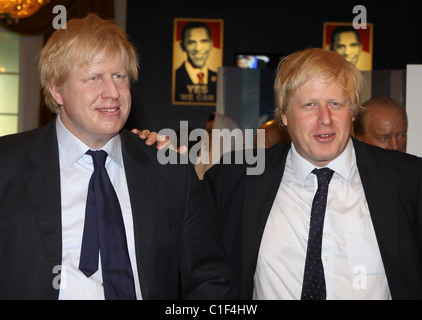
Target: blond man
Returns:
[[370, 242], [86, 71]]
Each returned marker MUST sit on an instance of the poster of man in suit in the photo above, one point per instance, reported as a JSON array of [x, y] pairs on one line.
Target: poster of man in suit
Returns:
[[355, 45], [197, 55]]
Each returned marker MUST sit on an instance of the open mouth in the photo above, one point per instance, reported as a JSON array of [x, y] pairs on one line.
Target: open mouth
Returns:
[[328, 137], [108, 109]]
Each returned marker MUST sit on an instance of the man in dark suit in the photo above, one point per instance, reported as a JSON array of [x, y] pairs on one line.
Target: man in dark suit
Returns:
[[371, 238], [86, 72], [195, 82]]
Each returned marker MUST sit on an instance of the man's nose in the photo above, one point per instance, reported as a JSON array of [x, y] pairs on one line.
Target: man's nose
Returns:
[[324, 116], [110, 89], [393, 144]]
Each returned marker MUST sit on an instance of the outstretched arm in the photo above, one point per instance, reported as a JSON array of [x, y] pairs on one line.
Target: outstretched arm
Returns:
[[162, 141]]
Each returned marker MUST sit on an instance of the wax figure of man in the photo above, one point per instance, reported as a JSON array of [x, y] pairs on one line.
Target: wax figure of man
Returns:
[[382, 122], [45, 188], [371, 235]]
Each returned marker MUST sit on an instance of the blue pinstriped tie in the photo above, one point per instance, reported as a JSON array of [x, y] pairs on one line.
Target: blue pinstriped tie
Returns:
[[313, 280], [104, 232]]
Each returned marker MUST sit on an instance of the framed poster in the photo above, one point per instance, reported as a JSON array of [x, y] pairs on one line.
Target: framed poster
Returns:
[[197, 55], [355, 45]]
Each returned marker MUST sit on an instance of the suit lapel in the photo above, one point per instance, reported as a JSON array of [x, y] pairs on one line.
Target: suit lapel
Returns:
[[43, 184], [137, 167], [259, 197], [380, 192]]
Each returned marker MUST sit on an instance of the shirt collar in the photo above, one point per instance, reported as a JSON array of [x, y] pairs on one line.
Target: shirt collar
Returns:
[[342, 165], [193, 72], [71, 149]]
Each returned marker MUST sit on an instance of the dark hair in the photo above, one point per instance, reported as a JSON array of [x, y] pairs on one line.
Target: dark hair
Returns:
[[193, 25], [342, 29]]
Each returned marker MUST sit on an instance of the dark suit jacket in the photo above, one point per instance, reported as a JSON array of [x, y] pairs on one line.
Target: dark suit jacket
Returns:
[[172, 222], [392, 183], [183, 80]]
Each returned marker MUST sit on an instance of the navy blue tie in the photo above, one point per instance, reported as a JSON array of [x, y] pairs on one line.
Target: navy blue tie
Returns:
[[313, 280], [104, 232]]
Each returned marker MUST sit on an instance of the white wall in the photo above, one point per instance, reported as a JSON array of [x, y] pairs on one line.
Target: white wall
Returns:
[[414, 109]]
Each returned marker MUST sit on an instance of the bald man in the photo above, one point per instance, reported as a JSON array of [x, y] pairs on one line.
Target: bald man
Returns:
[[383, 123]]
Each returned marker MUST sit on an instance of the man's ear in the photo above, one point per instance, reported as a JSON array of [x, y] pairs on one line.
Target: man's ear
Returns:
[[55, 92], [284, 120]]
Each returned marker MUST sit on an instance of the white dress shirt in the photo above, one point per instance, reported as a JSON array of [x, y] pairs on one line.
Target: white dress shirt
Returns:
[[352, 262], [76, 169]]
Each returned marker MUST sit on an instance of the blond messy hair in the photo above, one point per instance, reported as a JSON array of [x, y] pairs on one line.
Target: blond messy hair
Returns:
[[298, 68], [78, 44]]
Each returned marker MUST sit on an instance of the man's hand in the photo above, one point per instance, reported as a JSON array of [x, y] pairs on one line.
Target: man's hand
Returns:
[[161, 140]]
